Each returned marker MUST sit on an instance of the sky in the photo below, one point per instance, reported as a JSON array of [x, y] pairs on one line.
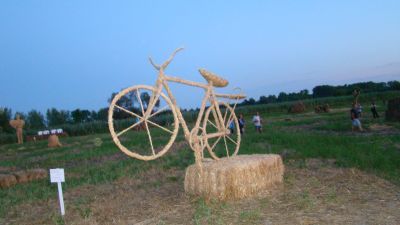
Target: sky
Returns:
[[74, 54]]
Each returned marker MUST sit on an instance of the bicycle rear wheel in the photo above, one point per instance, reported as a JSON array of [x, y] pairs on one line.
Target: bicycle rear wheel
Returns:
[[139, 136], [228, 142]]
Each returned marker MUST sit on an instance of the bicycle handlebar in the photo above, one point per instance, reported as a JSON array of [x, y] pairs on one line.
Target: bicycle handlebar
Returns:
[[166, 63]]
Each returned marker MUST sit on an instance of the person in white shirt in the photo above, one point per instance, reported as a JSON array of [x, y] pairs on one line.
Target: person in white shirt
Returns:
[[257, 122]]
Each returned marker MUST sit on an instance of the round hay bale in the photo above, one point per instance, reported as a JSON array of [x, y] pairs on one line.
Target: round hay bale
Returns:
[[297, 107], [235, 177], [7, 180], [53, 141], [21, 176], [317, 109], [326, 108], [393, 110]]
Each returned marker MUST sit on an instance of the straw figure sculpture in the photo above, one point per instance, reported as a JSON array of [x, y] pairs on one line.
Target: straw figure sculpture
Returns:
[[236, 177], [228, 176], [53, 141], [18, 125], [356, 95]]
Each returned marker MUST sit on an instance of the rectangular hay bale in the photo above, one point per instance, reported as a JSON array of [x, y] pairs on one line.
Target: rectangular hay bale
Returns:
[[235, 177]]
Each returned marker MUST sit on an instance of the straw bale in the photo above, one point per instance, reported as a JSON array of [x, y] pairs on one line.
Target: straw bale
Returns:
[[297, 107], [393, 110], [53, 141], [7, 180], [326, 108], [7, 169], [317, 109], [22, 176], [235, 177], [36, 174]]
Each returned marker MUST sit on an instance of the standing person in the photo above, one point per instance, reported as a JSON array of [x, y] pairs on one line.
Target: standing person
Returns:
[[232, 127], [359, 110], [355, 118], [257, 122], [373, 110], [241, 123]]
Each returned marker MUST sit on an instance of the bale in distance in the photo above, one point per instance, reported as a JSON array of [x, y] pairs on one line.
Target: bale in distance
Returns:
[[297, 107], [7, 180], [53, 141], [393, 110]]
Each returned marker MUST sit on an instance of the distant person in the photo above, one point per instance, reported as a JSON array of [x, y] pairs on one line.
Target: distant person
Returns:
[[355, 118], [232, 127], [241, 123], [373, 110], [359, 109], [257, 122]]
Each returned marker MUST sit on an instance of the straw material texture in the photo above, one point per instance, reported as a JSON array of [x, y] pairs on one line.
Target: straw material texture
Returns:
[[7, 180], [53, 141], [235, 177], [211, 77]]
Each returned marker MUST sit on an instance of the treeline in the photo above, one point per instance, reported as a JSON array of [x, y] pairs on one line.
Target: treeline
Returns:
[[322, 91], [36, 120], [82, 121]]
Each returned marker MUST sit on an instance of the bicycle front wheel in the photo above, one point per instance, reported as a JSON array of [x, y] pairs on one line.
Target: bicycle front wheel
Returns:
[[222, 138], [138, 133]]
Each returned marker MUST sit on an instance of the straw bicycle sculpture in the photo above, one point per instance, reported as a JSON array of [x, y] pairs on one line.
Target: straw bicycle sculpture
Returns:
[[211, 129]]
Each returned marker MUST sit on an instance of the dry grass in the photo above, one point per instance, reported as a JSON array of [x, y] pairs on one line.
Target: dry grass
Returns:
[[314, 192]]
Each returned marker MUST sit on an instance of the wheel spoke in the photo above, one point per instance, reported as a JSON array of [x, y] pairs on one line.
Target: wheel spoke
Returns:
[[159, 111], [226, 147], [226, 112], [125, 130], [216, 118], [140, 101], [148, 134], [212, 123], [159, 126], [231, 140], [230, 120], [216, 142], [127, 111]]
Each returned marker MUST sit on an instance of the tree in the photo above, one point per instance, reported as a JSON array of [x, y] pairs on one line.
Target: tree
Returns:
[[81, 116], [55, 117], [252, 101], [263, 100], [5, 117], [102, 114], [323, 91], [282, 97], [394, 85], [35, 119]]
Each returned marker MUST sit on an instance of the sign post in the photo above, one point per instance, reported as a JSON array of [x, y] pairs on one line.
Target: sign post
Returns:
[[57, 176]]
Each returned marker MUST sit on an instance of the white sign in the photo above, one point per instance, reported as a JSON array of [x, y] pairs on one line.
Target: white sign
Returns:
[[57, 176]]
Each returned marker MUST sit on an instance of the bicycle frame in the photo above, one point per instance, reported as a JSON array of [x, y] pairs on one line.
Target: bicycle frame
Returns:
[[162, 82], [202, 131]]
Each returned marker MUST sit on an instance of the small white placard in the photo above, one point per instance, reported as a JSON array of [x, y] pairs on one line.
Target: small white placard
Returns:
[[57, 175]]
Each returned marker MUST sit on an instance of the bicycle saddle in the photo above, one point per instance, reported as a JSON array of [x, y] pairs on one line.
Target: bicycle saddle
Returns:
[[216, 80]]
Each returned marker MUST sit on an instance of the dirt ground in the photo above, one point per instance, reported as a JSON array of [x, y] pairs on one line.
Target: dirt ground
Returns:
[[314, 192]]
